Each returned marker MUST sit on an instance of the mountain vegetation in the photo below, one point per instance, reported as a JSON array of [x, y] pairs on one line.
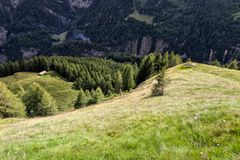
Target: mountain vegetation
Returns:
[[197, 118], [104, 78], [204, 30]]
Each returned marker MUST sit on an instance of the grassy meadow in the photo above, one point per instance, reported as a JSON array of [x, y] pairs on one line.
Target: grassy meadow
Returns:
[[58, 87], [198, 118]]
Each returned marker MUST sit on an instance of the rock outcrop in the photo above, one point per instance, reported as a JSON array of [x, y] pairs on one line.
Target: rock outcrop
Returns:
[[3, 35], [145, 46], [80, 3], [28, 53]]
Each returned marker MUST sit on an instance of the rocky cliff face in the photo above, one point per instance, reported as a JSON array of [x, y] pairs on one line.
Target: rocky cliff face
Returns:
[[146, 45], [189, 27], [80, 3], [3, 35]]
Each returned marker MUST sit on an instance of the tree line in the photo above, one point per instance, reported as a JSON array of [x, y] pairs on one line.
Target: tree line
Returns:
[[95, 78]]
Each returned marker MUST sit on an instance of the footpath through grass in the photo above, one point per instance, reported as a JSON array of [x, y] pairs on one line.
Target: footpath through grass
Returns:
[[198, 118]]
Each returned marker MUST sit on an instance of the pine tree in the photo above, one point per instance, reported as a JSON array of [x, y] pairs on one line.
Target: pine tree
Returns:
[[92, 99], [10, 105], [128, 79], [82, 100], [158, 63], [99, 96], [216, 63], [158, 87], [39, 102], [166, 59], [118, 82], [146, 68], [233, 64]]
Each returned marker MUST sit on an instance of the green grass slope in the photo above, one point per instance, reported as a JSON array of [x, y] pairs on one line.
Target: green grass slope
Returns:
[[60, 89], [198, 118]]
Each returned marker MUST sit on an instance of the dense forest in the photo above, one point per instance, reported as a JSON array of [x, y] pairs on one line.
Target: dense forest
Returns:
[[203, 30], [95, 78]]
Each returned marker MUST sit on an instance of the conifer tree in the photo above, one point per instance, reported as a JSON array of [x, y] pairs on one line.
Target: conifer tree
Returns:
[[118, 82], [39, 102], [10, 105], [146, 68], [166, 59], [99, 96], [92, 99], [128, 79], [158, 87], [216, 63], [233, 64], [158, 63], [82, 100]]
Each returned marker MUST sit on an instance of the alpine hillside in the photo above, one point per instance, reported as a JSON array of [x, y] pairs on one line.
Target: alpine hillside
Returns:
[[203, 30]]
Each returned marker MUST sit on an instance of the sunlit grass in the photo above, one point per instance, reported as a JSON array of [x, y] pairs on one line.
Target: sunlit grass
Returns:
[[198, 118]]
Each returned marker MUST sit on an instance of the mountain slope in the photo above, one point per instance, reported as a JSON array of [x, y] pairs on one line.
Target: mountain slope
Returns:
[[203, 30], [198, 118], [59, 88]]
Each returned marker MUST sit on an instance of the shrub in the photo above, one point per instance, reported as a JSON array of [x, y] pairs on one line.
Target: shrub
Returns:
[[158, 87]]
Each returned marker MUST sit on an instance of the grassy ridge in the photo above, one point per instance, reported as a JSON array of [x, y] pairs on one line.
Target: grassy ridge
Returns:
[[60, 89], [198, 118]]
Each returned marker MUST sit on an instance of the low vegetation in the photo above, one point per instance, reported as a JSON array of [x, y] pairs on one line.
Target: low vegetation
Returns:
[[197, 118]]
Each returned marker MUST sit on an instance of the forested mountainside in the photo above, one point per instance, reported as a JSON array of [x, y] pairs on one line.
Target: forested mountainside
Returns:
[[203, 30]]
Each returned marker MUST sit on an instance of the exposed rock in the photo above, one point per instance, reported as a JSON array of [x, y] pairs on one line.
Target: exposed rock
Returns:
[[77, 35], [15, 3], [80, 3], [132, 47], [28, 53], [3, 58], [3, 35], [160, 45], [145, 45], [60, 18], [96, 53]]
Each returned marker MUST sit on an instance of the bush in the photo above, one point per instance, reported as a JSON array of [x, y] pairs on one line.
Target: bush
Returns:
[[10, 105], [39, 102]]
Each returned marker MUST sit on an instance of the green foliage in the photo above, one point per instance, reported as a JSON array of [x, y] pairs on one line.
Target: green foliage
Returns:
[[158, 86], [118, 82], [82, 99], [146, 68], [98, 96], [153, 64], [233, 64], [39, 102], [216, 63], [10, 105], [128, 78]]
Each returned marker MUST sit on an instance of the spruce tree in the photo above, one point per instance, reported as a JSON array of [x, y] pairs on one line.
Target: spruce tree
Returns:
[[233, 64], [216, 63], [158, 63], [128, 79], [158, 87], [99, 96], [10, 105], [118, 82], [146, 68], [82, 100], [39, 102], [166, 59]]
